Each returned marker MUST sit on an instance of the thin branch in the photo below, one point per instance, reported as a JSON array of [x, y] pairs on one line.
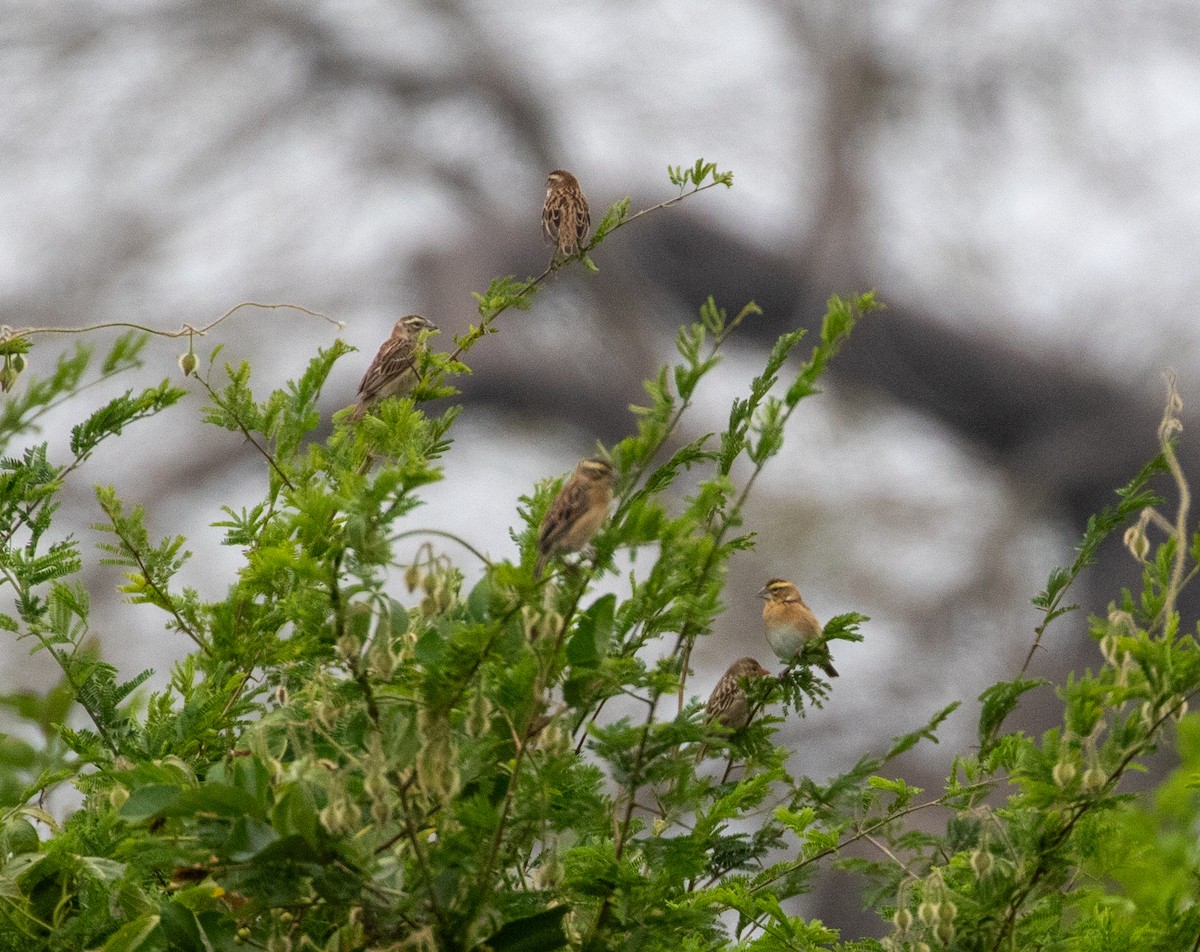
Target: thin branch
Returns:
[[476, 334], [410, 830], [498, 837], [246, 433], [444, 535], [164, 597], [1166, 430], [882, 847], [862, 833], [185, 330]]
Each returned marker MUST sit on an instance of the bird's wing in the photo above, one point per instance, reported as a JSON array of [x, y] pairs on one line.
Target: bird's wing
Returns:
[[566, 509], [395, 357]]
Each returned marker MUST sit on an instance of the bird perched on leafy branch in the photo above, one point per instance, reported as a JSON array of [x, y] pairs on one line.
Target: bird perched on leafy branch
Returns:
[[565, 217], [728, 704], [790, 623], [577, 512], [392, 372]]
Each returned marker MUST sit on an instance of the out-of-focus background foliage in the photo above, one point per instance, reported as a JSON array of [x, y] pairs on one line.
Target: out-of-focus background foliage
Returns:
[[1016, 180]]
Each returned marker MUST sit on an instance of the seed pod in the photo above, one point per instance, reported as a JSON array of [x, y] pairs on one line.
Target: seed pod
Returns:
[[982, 862], [188, 363], [479, 715], [902, 919], [1136, 542], [1063, 773], [381, 658]]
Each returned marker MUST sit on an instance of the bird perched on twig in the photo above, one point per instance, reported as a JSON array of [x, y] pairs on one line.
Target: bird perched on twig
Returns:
[[790, 623], [577, 512], [565, 217], [392, 372], [728, 704]]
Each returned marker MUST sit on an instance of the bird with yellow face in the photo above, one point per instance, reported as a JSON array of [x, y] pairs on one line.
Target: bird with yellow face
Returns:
[[790, 623]]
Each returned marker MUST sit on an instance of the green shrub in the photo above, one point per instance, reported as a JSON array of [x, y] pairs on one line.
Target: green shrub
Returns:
[[359, 754]]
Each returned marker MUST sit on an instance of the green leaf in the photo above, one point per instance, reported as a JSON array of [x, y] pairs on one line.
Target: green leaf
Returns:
[[133, 935], [182, 929], [146, 802], [998, 702], [533, 933], [589, 644]]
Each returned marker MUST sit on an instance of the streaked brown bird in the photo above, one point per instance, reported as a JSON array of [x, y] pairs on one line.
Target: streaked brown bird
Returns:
[[577, 512], [728, 704], [565, 217], [790, 623], [392, 373]]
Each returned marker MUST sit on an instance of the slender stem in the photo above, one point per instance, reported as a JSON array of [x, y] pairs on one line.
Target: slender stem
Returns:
[[861, 833], [246, 433], [164, 598], [775, 934], [444, 535], [498, 836], [185, 330], [882, 847], [237, 693], [558, 264], [1180, 533], [621, 833], [410, 830], [653, 208]]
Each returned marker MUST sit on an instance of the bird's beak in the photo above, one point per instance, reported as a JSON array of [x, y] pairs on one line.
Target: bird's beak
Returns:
[[763, 593]]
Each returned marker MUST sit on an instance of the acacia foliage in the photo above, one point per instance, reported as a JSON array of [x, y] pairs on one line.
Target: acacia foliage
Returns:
[[361, 754]]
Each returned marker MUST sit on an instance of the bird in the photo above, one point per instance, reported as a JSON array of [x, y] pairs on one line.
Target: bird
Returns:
[[392, 372], [565, 217], [790, 623], [728, 704], [577, 512]]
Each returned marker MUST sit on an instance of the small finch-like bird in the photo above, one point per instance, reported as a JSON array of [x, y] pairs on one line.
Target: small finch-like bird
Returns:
[[565, 217], [728, 705], [789, 622], [578, 511], [393, 371]]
